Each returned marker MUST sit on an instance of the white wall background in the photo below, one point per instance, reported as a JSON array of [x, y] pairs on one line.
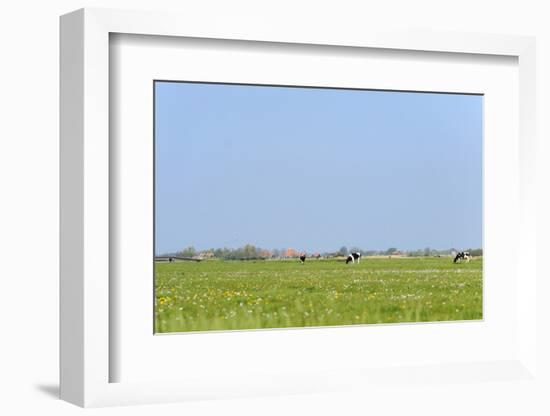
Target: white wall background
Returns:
[[29, 191]]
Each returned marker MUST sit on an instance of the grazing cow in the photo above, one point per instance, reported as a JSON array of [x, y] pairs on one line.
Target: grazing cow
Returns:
[[303, 258], [463, 255], [354, 256]]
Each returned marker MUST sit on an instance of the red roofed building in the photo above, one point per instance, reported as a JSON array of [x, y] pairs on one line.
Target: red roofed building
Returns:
[[290, 252]]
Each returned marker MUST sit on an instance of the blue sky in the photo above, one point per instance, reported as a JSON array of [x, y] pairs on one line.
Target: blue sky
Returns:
[[316, 169]]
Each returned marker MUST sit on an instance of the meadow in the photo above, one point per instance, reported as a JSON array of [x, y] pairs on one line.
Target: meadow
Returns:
[[228, 295]]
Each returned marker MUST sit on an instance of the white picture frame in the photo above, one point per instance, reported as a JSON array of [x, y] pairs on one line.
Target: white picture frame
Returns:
[[86, 355], [138, 60]]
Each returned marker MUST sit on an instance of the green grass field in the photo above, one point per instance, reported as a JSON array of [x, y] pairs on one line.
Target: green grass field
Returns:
[[225, 295]]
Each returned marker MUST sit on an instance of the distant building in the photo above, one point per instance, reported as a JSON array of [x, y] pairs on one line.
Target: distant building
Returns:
[[265, 254], [290, 253]]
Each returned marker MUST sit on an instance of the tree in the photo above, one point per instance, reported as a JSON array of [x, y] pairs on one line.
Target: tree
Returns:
[[188, 252], [390, 250], [249, 251], [343, 251], [476, 252]]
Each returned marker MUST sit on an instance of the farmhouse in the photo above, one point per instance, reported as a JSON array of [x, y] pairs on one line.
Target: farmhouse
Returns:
[[291, 253]]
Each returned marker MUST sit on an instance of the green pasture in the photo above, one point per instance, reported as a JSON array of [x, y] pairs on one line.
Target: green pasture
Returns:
[[226, 295]]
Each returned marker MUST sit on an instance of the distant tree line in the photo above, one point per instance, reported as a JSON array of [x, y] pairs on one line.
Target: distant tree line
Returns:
[[394, 251], [428, 252], [251, 252], [247, 252]]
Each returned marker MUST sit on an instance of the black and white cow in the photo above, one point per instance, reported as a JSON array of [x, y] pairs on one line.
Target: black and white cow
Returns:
[[354, 256], [303, 258], [463, 255]]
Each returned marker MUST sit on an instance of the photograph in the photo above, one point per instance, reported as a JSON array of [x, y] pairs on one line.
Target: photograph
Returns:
[[299, 206]]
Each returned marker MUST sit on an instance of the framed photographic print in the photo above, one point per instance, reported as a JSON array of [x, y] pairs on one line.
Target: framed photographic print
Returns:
[[264, 212]]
